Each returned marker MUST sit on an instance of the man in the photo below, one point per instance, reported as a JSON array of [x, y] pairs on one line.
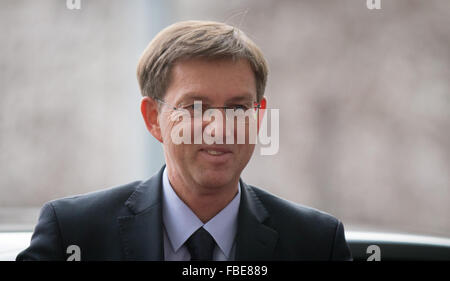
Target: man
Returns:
[[196, 207]]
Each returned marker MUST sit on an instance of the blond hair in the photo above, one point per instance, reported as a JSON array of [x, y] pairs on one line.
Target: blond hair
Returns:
[[196, 39]]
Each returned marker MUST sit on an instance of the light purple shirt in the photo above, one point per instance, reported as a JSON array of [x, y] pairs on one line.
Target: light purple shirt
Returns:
[[180, 223]]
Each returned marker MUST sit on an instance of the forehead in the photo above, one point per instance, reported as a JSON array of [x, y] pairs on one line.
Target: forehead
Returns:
[[213, 80]]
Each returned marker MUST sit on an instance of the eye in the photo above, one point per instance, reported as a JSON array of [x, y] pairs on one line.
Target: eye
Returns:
[[239, 107], [190, 107], [195, 108]]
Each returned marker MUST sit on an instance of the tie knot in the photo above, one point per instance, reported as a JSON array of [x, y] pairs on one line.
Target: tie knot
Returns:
[[201, 245]]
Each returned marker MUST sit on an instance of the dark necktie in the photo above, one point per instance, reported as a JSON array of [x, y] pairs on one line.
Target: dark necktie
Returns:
[[201, 245]]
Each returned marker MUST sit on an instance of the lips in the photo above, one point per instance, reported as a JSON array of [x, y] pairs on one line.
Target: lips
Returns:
[[215, 150], [215, 154]]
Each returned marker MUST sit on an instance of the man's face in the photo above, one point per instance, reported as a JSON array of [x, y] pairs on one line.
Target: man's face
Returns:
[[217, 83]]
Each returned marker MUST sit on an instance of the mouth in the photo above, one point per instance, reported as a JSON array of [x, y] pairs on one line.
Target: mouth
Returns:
[[214, 152], [215, 155]]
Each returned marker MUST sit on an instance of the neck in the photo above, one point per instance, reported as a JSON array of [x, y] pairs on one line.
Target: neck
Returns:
[[205, 202]]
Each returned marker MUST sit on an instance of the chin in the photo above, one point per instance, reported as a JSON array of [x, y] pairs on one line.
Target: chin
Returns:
[[215, 178]]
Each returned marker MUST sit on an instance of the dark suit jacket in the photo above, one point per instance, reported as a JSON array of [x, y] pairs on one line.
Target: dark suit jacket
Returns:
[[125, 223]]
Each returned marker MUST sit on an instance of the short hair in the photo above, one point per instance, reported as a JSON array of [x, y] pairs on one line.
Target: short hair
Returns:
[[196, 39]]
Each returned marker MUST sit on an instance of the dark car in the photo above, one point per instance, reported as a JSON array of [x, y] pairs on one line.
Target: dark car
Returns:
[[375, 246]]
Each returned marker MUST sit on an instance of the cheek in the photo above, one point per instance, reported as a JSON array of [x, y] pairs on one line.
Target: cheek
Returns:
[[244, 151], [181, 148], [245, 133], [168, 128]]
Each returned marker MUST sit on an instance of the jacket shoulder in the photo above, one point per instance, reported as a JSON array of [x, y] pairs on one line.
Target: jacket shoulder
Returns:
[[99, 204], [288, 210], [87, 220], [99, 196]]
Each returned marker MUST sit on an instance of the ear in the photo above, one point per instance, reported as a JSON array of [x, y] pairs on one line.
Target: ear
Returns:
[[149, 110], [261, 111]]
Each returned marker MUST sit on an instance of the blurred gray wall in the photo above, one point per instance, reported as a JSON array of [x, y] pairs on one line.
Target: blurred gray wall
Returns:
[[363, 96], [69, 114]]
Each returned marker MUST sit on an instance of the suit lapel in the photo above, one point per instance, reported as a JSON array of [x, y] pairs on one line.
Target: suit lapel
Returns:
[[141, 233], [254, 241]]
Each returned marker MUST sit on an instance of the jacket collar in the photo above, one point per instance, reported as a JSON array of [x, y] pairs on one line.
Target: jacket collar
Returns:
[[254, 240], [142, 232]]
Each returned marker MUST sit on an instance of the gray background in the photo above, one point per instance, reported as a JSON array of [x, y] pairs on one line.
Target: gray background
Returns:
[[363, 96]]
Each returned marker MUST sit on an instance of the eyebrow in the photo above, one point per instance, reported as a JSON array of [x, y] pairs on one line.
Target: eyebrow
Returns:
[[194, 96], [245, 97]]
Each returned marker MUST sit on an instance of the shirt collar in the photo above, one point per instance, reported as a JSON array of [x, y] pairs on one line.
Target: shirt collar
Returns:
[[180, 222]]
